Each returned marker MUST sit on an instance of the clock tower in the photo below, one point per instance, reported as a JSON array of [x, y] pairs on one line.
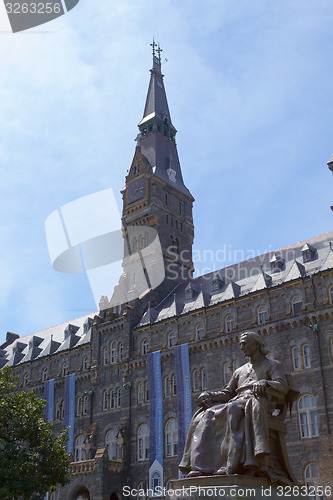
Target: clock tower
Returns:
[[156, 203]]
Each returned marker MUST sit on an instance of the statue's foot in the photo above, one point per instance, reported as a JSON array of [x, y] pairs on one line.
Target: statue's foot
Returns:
[[222, 471], [194, 473]]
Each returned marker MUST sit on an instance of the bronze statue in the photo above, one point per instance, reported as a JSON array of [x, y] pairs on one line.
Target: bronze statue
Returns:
[[229, 433]]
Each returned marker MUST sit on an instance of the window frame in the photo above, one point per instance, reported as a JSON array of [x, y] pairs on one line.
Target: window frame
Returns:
[[296, 358], [199, 331], [195, 380], [295, 301], [306, 356], [171, 339], [262, 314], [142, 442], [171, 437], [79, 449], [113, 352], [307, 417], [111, 444], [144, 347], [229, 323]]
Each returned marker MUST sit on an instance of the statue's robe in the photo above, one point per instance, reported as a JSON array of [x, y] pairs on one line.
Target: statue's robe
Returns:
[[234, 432]]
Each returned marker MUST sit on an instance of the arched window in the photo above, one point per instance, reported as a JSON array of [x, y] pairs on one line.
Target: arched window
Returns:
[[143, 442], [306, 356], [144, 347], [62, 409], [85, 363], [119, 397], [195, 381], [171, 339], [85, 405], [105, 400], [146, 388], [120, 351], [308, 418], [25, 379], [331, 294], [296, 358], [229, 323], [226, 373], [171, 438], [82, 494], [111, 444], [113, 352], [44, 374], [174, 385], [141, 489], [204, 379], [79, 407], [199, 331], [140, 392], [79, 449], [262, 314], [105, 356], [166, 387], [58, 410], [112, 399], [310, 478], [65, 369], [297, 304]]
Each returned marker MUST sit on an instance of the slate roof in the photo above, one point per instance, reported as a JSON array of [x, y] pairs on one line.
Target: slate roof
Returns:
[[244, 278], [55, 339]]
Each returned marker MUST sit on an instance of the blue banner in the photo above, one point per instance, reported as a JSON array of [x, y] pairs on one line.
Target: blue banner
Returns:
[[155, 422], [184, 396], [49, 396], [69, 409]]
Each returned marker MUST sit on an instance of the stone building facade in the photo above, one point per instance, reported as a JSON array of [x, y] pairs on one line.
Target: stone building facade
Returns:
[[286, 296]]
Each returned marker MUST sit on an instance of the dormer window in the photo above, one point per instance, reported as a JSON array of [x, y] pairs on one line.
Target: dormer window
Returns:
[[87, 325], [308, 253], [217, 283], [189, 292], [276, 263]]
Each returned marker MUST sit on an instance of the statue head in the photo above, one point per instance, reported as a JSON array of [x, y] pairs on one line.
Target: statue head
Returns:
[[257, 338]]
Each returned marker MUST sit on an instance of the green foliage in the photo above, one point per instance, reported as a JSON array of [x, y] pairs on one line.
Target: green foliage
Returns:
[[32, 459]]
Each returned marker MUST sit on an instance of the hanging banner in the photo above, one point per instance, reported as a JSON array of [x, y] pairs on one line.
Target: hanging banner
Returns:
[[69, 409], [184, 396], [155, 425], [49, 397]]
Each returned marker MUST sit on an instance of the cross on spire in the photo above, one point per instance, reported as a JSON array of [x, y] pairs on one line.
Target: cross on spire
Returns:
[[159, 50], [156, 56], [153, 45]]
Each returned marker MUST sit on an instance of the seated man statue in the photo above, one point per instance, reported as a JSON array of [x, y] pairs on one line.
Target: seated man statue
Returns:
[[228, 434]]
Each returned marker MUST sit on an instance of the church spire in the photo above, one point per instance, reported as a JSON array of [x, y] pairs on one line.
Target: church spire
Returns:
[[157, 133]]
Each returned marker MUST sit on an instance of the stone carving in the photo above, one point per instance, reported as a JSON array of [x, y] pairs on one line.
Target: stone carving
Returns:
[[240, 429]]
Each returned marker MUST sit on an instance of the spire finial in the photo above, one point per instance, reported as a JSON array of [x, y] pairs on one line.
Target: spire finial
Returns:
[[156, 57], [159, 50], [153, 45]]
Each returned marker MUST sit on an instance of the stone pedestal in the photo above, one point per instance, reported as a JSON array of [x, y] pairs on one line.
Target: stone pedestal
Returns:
[[233, 487]]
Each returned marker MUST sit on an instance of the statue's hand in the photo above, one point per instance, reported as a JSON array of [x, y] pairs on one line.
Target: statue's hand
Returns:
[[205, 400], [259, 388]]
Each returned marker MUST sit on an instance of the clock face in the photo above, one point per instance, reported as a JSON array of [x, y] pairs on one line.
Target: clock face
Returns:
[[136, 190]]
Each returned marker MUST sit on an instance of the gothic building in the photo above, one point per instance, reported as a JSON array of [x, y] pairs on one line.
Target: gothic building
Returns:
[[94, 372]]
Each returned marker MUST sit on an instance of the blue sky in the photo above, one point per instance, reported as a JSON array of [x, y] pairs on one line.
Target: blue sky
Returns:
[[249, 86]]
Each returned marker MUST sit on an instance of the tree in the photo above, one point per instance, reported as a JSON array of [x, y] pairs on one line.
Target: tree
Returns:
[[32, 459]]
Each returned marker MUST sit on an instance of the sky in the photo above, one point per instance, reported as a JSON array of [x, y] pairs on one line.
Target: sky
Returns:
[[249, 86]]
